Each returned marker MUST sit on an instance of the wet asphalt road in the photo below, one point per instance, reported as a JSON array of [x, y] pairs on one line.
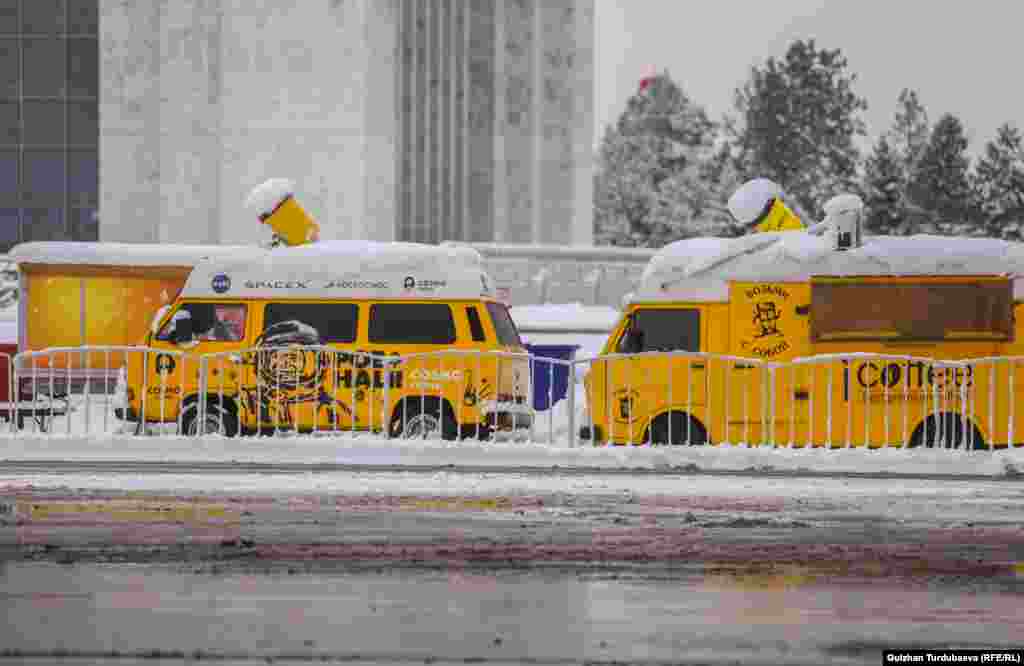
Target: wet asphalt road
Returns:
[[543, 567]]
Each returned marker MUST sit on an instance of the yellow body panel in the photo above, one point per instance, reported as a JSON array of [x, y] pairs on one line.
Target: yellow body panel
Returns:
[[291, 222], [780, 218], [853, 402], [346, 386]]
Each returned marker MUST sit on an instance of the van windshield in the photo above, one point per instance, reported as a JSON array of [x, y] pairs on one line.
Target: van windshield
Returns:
[[506, 329], [208, 322]]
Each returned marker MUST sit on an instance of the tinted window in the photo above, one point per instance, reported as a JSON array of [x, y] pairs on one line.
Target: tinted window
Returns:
[[503, 325], [475, 327], [210, 322], [334, 322], [662, 330], [414, 323], [896, 310]]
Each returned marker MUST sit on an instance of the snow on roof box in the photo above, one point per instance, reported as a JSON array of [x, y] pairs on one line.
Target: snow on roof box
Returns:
[[117, 254], [344, 269], [704, 266], [265, 197]]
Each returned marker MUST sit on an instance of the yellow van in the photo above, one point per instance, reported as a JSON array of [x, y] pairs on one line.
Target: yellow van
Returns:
[[337, 336], [780, 338]]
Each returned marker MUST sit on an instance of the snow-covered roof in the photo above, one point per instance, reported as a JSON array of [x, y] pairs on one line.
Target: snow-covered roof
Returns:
[[117, 254], [343, 269], [701, 268]]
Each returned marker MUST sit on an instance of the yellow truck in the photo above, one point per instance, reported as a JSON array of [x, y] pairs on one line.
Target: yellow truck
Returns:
[[97, 294], [780, 338], [401, 338]]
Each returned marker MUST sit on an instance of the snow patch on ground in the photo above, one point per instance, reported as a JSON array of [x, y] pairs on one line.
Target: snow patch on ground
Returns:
[[371, 450]]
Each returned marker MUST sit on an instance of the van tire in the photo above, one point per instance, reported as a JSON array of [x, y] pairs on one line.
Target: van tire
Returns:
[[219, 419], [428, 418], [684, 429], [944, 431]]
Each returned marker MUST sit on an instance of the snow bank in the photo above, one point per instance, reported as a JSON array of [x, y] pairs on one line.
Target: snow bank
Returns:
[[566, 317], [367, 450]]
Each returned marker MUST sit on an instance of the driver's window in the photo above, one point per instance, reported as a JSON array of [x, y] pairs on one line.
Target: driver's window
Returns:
[[661, 329], [205, 322]]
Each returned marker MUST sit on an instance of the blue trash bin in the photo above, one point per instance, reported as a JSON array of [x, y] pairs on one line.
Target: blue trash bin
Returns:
[[550, 380]]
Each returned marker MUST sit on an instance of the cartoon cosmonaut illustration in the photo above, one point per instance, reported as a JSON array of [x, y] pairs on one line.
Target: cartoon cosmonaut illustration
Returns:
[[288, 373]]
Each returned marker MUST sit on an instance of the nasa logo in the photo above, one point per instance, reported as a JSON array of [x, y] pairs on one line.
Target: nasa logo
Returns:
[[221, 283]]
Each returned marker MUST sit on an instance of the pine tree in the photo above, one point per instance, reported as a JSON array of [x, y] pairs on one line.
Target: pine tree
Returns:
[[941, 185], [654, 182], [884, 189], [908, 138], [799, 117], [910, 132], [1000, 184]]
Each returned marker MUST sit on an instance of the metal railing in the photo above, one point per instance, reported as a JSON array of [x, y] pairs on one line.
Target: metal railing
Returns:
[[680, 398]]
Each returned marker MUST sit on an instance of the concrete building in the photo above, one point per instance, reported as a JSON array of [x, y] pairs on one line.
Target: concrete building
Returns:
[[423, 120]]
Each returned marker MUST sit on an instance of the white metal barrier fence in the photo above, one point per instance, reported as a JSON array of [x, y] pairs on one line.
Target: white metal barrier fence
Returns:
[[687, 398]]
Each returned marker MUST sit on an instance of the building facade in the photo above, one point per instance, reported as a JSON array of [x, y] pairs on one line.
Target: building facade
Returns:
[[49, 134], [423, 120]]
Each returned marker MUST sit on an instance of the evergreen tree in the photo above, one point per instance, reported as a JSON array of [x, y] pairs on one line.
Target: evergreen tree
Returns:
[[884, 189], [656, 179], [908, 138], [910, 132], [1000, 184], [799, 117], [941, 185]]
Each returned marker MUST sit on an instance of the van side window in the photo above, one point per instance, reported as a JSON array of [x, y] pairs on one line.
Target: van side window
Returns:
[[661, 329], [207, 322], [412, 323], [476, 329], [334, 322], [506, 329]]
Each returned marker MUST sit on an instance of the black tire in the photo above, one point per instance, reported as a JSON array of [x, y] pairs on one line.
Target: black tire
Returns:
[[681, 428], [219, 420], [424, 419], [946, 431]]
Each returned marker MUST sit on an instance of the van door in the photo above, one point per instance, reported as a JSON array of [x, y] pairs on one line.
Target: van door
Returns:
[[296, 380], [645, 384]]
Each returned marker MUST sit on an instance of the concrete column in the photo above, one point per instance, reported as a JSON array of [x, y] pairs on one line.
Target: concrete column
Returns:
[[582, 126], [516, 170], [479, 129], [381, 119], [129, 122], [190, 121]]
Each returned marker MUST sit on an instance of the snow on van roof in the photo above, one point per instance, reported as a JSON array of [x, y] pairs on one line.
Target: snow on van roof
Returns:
[[344, 269], [700, 268], [117, 254]]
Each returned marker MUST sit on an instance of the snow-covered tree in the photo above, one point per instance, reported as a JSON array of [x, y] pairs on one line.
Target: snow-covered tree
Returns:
[[799, 118], [1000, 183], [941, 185], [884, 189], [910, 132], [657, 180]]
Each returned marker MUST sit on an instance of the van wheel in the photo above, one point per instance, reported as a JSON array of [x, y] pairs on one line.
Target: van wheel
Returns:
[[424, 419], [677, 429], [946, 431], [218, 421]]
